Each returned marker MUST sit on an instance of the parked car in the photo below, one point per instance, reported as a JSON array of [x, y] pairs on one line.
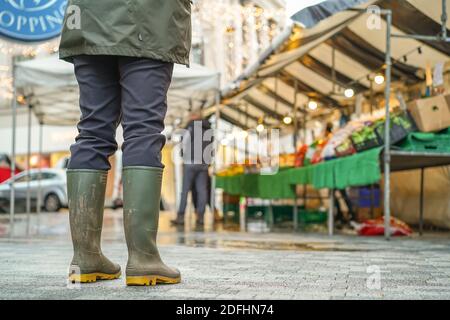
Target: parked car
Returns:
[[53, 189]]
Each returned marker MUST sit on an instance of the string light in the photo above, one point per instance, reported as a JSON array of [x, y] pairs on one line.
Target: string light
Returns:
[[312, 105], [349, 93], [260, 128], [246, 30], [287, 120], [379, 79], [8, 50]]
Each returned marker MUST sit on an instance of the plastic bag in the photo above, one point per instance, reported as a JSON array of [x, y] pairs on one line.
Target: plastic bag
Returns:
[[375, 227]]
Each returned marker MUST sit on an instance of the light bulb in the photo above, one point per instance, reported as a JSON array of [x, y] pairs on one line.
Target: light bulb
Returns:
[[349, 93], [287, 120], [260, 127], [379, 79], [312, 105]]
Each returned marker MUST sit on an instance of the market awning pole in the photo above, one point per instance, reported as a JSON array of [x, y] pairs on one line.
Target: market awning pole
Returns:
[[331, 213], [387, 134], [13, 151], [28, 203], [422, 182], [295, 137], [444, 20], [216, 151], [39, 193]]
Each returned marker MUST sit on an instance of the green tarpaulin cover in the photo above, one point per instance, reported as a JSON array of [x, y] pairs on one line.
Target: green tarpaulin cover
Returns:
[[357, 170]]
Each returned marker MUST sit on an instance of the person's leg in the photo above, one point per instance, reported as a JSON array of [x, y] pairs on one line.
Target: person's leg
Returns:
[[87, 172], [144, 103], [339, 213], [348, 203], [186, 186], [194, 198], [100, 105], [201, 186]]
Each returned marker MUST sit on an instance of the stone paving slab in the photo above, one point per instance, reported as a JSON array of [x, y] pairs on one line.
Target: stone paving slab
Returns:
[[400, 269]]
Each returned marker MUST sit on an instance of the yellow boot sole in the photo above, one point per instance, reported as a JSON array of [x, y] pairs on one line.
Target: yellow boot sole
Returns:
[[151, 280], [92, 277]]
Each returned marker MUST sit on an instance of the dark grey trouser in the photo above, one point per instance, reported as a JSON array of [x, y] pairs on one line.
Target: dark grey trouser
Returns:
[[127, 90], [194, 176]]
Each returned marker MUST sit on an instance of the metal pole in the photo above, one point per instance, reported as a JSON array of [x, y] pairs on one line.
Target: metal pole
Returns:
[[372, 103], [387, 129], [331, 214], [39, 193], [333, 69], [422, 179], [295, 210], [444, 20], [28, 203], [12, 200], [216, 151]]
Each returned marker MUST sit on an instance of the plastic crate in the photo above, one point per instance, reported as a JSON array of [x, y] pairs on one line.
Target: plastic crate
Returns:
[[401, 126], [345, 149], [370, 140], [284, 213], [427, 142], [312, 216], [231, 213], [365, 197]]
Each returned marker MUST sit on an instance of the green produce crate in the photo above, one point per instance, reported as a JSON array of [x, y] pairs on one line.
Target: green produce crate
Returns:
[[401, 126], [231, 212], [365, 139], [427, 142], [312, 216], [284, 214]]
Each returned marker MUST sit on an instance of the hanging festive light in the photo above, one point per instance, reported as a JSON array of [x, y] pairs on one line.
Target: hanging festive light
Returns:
[[379, 79], [243, 31], [349, 93], [260, 128], [287, 120], [312, 105]]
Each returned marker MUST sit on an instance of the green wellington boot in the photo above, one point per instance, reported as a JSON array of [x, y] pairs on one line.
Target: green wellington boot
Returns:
[[86, 195], [141, 197]]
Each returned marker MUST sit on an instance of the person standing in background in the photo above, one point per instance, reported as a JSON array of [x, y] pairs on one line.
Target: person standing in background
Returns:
[[124, 53], [197, 144]]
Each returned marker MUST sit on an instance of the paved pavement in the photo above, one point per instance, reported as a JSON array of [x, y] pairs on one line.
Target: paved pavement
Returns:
[[219, 264]]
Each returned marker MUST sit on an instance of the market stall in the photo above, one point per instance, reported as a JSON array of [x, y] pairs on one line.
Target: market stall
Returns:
[[328, 66]]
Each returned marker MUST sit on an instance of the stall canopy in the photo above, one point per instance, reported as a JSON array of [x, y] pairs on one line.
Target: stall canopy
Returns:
[[303, 58], [51, 88]]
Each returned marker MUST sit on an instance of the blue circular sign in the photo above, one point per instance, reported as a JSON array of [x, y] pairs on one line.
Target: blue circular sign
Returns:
[[31, 20]]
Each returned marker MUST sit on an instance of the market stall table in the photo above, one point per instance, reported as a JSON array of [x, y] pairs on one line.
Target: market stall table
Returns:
[[357, 170]]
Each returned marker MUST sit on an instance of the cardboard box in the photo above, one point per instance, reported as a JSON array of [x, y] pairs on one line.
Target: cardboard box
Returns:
[[431, 114]]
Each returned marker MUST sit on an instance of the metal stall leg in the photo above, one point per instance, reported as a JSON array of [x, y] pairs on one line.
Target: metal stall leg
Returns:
[[422, 182], [12, 199], [271, 216], [331, 214], [28, 168], [214, 159], [387, 132], [295, 210], [39, 192]]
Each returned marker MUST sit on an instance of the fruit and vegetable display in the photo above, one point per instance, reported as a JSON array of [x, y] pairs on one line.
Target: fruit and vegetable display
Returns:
[[356, 136]]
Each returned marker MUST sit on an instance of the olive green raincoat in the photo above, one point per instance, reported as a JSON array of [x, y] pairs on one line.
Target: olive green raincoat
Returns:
[[157, 29]]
